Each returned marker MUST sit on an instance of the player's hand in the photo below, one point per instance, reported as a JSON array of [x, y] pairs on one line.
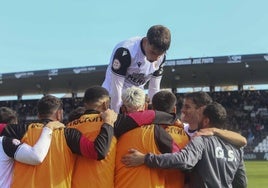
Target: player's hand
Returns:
[[205, 132], [133, 158], [178, 123], [109, 116], [55, 125]]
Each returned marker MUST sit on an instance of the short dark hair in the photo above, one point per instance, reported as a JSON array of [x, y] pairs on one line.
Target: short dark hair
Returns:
[[94, 94], [7, 115], [164, 101], [199, 98], [216, 114], [48, 104], [76, 113], [159, 37]]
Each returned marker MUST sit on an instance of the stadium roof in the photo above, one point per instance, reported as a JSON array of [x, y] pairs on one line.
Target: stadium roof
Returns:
[[239, 70]]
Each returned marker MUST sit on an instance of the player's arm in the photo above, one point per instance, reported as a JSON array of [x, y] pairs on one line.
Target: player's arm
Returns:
[[240, 178], [230, 136], [132, 120], [154, 83], [98, 148], [186, 159], [120, 64], [27, 154]]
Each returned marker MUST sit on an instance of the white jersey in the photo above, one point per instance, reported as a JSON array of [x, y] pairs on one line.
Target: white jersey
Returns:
[[189, 132], [6, 166], [129, 67], [11, 149]]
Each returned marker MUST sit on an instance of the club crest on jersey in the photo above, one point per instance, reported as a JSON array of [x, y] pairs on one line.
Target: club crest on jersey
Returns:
[[116, 64]]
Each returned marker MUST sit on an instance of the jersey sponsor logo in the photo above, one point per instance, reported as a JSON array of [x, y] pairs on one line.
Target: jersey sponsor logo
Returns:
[[175, 130], [116, 64], [220, 154], [137, 78], [84, 120]]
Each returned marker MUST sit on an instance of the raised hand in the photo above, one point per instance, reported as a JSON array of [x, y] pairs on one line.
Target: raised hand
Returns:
[[109, 116]]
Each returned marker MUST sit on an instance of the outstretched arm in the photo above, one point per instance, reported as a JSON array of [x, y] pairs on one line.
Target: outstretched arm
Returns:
[[27, 154], [97, 149], [230, 136]]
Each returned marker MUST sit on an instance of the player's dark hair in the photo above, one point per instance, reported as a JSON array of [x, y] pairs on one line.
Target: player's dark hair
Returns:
[[48, 104], [94, 94], [164, 101], [7, 115], [199, 98], [159, 37], [216, 114]]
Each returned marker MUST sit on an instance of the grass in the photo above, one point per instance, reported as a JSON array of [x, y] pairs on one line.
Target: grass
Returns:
[[257, 173]]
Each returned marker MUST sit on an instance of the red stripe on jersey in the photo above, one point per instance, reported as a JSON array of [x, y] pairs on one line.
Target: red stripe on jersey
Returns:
[[175, 147], [143, 117], [87, 148], [2, 126]]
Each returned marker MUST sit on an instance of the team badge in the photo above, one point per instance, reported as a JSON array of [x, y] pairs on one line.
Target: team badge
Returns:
[[116, 64]]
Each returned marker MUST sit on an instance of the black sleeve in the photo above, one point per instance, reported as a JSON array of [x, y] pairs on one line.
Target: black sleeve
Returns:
[[10, 146], [73, 137], [121, 61], [162, 139], [101, 144], [164, 118], [123, 124], [159, 72], [103, 141], [15, 131]]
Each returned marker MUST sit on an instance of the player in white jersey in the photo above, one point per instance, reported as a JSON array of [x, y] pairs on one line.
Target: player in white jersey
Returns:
[[137, 61]]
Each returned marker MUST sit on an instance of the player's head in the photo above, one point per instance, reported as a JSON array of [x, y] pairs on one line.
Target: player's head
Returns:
[[214, 115], [157, 42], [133, 99], [50, 107], [193, 106], [96, 98], [8, 116], [76, 113], [164, 101]]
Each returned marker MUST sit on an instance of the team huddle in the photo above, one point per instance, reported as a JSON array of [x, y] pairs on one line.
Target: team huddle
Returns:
[[121, 137]]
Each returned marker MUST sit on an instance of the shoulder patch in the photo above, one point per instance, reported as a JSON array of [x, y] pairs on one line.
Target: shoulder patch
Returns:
[[116, 64]]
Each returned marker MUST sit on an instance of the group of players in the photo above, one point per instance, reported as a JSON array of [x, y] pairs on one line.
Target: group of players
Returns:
[[131, 145]]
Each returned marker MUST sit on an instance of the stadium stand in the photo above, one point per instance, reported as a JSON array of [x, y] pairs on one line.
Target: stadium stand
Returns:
[[247, 109]]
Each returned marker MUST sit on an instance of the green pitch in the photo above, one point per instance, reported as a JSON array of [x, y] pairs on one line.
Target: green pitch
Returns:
[[257, 173]]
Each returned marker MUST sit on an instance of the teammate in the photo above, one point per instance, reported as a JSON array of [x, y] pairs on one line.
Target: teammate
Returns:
[[89, 172], [151, 138], [213, 161], [11, 149], [56, 170], [166, 101], [136, 61], [192, 109]]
